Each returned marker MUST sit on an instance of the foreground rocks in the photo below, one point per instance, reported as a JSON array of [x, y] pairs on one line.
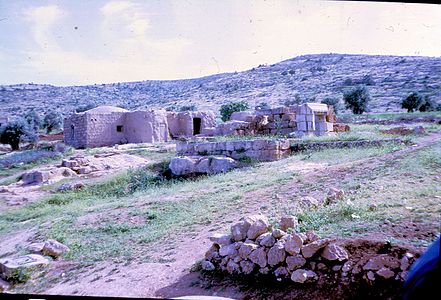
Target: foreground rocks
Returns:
[[186, 165], [253, 247]]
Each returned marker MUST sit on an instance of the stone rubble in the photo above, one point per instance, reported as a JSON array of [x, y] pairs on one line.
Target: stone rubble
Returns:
[[254, 247]]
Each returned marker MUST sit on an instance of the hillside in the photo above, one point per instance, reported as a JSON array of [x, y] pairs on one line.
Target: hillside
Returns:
[[305, 78]]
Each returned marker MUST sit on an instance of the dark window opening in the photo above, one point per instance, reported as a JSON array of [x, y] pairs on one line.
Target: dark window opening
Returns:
[[197, 125], [119, 128], [72, 131]]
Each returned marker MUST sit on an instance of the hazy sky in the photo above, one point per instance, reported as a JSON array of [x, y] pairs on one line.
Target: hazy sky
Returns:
[[102, 41]]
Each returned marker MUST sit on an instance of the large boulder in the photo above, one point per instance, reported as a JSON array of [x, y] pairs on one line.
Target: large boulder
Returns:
[[259, 257], [182, 165], [287, 222], [14, 267], [295, 262], [221, 164], [293, 243]]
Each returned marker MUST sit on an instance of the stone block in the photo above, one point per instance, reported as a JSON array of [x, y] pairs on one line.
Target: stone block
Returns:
[[11, 266], [301, 126]]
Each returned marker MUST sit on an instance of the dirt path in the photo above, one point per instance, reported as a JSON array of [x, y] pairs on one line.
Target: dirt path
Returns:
[[173, 278]]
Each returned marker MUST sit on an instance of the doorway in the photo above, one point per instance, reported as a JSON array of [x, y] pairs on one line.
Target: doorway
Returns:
[[197, 125]]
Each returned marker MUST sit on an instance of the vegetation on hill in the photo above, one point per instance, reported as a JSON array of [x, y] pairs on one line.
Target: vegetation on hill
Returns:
[[300, 79]]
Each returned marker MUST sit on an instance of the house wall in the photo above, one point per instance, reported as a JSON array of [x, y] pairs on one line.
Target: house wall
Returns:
[[78, 137], [146, 126], [101, 129]]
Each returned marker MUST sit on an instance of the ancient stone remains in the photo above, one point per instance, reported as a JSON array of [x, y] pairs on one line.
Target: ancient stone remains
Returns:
[[253, 247], [185, 165], [11, 267]]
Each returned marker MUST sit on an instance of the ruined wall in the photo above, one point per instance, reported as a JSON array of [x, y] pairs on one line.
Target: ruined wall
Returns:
[[264, 150], [146, 127], [102, 129], [75, 131]]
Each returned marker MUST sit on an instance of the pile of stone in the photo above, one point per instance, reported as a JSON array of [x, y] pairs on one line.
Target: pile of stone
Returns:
[[254, 247], [403, 130], [15, 268], [46, 175], [186, 165], [79, 164]]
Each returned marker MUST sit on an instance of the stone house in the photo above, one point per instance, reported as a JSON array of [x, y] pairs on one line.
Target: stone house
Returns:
[[108, 125]]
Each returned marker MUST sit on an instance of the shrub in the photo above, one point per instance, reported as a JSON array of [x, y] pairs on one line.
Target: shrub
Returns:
[[228, 109], [15, 132], [262, 105], [335, 102], [83, 108], [412, 102], [427, 104], [357, 99], [188, 108], [33, 119], [53, 120], [296, 100]]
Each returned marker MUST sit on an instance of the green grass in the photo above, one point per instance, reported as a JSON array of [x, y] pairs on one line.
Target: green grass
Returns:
[[389, 116]]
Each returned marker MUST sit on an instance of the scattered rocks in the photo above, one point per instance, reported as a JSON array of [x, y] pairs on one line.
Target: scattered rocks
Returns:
[[403, 130], [70, 186], [381, 261], [310, 201], [334, 195], [54, 248], [288, 222]]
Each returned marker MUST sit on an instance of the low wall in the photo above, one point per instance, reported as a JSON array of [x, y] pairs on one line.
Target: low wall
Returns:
[[302, 146], [264, 150]]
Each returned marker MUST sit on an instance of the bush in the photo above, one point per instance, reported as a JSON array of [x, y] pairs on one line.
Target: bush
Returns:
[[53, 120], [357, 99], [296, 100], [412, 102], [262, 105], [15, 132], [427, 104], [332, 101], [83, 108], [188, 108], [228, 109], [33, 119]]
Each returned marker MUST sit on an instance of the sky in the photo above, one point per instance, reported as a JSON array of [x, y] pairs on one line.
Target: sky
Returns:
[[83, 42]]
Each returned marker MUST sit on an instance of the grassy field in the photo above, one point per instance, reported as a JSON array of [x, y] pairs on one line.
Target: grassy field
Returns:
[[128, 218]]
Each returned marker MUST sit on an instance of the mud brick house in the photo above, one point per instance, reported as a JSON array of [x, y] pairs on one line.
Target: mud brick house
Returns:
[[108, 125]]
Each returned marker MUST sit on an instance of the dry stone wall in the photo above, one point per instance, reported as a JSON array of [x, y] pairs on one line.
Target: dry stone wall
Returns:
[[253, 247], [264, 150]]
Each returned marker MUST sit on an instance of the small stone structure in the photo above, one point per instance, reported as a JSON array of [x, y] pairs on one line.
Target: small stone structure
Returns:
[[189, 123], [254, 247], [108, 125], [304, 119], [193, 165], [259, 149]]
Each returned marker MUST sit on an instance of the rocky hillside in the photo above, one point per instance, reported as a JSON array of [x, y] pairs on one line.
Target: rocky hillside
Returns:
[[303, 78]]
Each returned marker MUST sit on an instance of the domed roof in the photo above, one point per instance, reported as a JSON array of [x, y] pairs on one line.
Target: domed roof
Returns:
[[105, 109]]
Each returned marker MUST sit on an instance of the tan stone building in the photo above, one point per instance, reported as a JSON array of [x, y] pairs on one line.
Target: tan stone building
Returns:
[[108, 125]]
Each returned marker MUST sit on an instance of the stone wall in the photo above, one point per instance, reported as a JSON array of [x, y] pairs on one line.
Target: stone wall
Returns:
[[102, 129], [75, 131], [264, 150], [253, 247]]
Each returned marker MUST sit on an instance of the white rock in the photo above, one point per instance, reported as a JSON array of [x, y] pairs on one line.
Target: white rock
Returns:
[[303, 276]]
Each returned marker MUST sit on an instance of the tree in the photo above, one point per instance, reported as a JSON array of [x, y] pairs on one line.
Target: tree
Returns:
[[357, 99], [15, 132], [335, 102], [33, 119], [412, 102], [427, 104], [228, 109], [53, 120], [191, 107]]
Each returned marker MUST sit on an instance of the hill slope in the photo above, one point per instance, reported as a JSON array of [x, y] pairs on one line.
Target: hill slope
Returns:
[[305, 78]]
